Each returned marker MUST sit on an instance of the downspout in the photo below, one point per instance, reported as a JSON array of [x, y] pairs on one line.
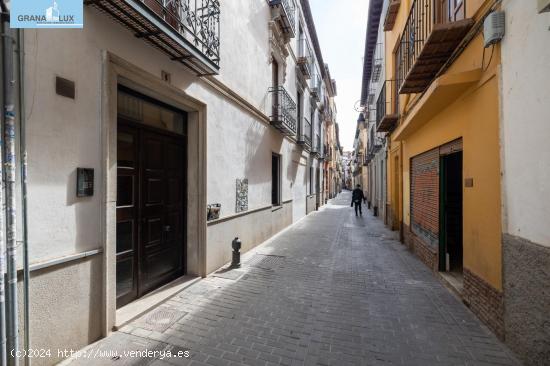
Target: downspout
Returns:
[[12, 341], [23, 154], [3, 354]]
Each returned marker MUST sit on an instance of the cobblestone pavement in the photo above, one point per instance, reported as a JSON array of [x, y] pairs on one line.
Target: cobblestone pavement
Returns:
[[331, 290]]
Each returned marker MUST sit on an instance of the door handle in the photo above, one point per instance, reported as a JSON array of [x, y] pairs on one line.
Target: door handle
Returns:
[[167, 228]]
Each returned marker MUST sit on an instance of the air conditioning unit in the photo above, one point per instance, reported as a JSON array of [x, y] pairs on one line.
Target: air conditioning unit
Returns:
[[493, 28], [544, 6]]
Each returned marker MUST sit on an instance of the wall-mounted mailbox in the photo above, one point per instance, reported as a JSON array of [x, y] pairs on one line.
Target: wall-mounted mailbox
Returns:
[[213, 211], [84, 182]]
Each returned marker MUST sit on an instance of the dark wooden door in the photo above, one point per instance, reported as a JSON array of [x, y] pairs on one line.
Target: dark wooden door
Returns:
[[154, 179], [127, 214], [451, 210], [161, 257]]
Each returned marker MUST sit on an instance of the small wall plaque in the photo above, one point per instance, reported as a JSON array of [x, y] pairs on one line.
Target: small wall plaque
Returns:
[[469, 182], [84, 182], [64, 87]]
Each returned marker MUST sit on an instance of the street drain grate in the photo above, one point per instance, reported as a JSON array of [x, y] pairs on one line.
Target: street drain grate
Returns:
[[265, 261], [160, 319]]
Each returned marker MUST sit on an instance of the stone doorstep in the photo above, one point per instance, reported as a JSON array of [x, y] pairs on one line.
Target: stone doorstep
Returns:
[[139, 307], [451, 284]]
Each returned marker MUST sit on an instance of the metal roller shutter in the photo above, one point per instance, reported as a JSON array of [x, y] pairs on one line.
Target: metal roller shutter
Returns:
[[425, 197]]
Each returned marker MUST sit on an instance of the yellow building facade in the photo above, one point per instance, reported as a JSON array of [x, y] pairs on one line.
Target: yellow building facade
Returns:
[[443, 161]]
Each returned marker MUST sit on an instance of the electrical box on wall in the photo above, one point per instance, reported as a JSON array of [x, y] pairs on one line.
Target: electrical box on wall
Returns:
[[493, 28], [544, 6]]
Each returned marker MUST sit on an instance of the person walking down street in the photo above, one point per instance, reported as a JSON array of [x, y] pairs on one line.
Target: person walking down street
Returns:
[[357, 198]]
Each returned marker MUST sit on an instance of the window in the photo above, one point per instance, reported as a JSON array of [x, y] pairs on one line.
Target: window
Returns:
[[275, 180], [300, 101], [275, 73], [312, 115], [310, 180]]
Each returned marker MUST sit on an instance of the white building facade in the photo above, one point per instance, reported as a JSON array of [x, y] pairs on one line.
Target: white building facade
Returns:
[[375, 89], [525, 156], [155, 136]]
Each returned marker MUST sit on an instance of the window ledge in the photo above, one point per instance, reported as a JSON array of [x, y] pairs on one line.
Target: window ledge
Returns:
[[276, 208]]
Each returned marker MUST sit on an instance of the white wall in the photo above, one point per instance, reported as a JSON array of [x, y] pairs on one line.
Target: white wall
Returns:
[[64, 134], [526, 122]]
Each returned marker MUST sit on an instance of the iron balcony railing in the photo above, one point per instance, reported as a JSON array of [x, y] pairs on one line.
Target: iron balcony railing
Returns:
[[305, 57], [371, 96], [187, 30], [305, 135], [417, 29], [372, 114], [425, 26], [387, 106], [374, 143], [327, 154], [377, 62], [316, 148], [283, 112], [287, 11], [316, 87]]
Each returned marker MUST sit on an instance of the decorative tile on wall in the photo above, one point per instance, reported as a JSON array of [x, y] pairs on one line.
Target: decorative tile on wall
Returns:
[[242, 195]]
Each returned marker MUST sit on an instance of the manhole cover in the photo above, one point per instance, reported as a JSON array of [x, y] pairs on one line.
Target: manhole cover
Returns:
[[160, 319], [265, 261]]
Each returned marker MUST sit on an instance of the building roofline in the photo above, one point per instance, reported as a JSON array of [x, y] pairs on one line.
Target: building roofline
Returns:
[[313, 35], [373, 22]]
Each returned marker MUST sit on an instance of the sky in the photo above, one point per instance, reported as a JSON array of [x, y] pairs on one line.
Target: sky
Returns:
[[341, 27]]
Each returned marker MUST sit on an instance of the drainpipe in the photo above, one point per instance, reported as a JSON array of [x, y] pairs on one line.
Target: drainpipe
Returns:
[[23, 154], [12, 342], [3, 357]]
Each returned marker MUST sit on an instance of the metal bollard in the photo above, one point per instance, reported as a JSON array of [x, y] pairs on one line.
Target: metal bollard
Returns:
[[236, 260]]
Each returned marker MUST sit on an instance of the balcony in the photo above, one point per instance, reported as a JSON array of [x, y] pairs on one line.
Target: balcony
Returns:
[[316, 87], [386, 107], [327, 153], [429, 39], [283, 114], [374, 143], [188, 31], [371, 96], [377, 63], [391, 15], [316, 148], [305, 58], [328, 115], [285, 15], [305, 136]]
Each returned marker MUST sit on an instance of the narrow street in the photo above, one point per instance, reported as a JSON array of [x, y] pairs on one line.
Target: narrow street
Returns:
[[331, 290]]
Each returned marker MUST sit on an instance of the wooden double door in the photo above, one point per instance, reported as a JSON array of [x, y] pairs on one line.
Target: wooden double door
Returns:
[[150, 215]]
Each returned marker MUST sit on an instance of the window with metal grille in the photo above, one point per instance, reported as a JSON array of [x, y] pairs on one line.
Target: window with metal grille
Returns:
[[275, 179]]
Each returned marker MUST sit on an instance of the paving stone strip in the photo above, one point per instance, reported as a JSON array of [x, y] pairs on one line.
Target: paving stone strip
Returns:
[[331, 290]]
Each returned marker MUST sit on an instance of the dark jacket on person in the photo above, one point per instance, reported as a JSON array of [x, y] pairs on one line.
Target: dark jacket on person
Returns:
[[357, 196]]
